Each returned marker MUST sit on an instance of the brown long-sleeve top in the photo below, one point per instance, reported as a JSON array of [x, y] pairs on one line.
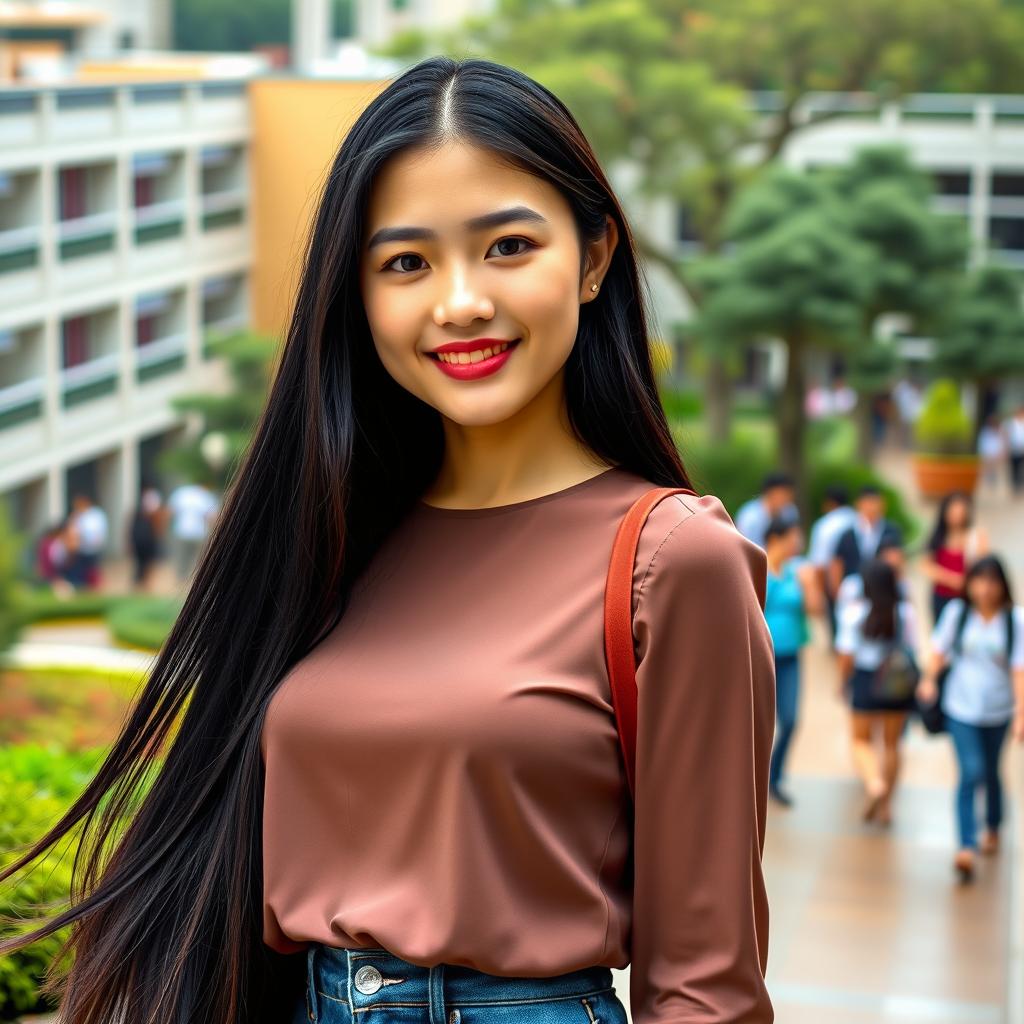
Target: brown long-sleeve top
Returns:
[[443, 776]]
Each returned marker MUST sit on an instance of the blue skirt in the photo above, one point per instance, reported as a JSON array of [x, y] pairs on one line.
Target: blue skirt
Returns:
[[342, 984]]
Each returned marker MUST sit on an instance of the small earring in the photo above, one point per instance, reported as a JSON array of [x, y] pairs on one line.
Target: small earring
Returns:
[[593, 287]]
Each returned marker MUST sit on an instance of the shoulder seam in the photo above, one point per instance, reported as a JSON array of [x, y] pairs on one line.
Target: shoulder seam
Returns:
[[664, 541]]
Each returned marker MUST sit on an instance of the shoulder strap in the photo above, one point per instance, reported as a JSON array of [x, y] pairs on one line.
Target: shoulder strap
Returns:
[[961, 622], [618, 621], [1009, 635]]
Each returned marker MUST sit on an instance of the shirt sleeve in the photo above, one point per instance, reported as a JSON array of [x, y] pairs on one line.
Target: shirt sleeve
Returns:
[[1017, 653], [819, 548], [706, 715], [942, 634], [848, 619]]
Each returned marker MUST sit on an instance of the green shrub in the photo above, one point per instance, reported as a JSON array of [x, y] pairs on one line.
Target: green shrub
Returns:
[[36, 787], [41, 604], [143, 621], [942, 427]]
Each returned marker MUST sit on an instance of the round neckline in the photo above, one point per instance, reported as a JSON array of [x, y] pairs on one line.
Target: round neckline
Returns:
[[490, 510]]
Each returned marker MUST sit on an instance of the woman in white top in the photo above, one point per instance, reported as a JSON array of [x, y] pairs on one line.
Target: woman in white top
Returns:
[[871, 624], [982, 642]]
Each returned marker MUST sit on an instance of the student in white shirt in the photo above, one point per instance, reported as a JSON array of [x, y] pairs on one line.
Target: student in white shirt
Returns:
[[871, 626], [777, 497], [982, 641], [838, 516]]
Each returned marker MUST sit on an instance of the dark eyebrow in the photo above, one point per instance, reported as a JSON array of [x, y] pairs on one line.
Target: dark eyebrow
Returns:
[[482, 223]]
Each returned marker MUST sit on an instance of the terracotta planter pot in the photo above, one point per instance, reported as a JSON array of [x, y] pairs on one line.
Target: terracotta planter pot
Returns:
[[937, 475]]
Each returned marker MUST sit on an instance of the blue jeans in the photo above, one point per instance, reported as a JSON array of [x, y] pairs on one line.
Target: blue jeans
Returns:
[[787, 697], [389, 990], [977, 751]]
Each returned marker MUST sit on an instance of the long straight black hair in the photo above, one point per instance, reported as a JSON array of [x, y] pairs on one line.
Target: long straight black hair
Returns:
[[166, 902], [881, 591]]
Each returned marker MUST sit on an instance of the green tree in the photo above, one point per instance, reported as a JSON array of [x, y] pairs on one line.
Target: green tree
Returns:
[[668, 84], [917, 259], [797, 273], [982, 338], [225, 420]]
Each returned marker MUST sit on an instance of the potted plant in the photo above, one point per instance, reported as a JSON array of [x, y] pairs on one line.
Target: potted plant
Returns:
[[944, 455]]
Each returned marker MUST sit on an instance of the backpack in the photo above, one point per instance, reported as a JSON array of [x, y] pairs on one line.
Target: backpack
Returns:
[[897, 676]]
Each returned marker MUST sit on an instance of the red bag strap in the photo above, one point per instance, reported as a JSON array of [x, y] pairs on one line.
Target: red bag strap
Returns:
[[618, 621]]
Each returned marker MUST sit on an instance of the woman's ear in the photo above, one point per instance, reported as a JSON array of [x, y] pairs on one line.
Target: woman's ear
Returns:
[[598, 258]]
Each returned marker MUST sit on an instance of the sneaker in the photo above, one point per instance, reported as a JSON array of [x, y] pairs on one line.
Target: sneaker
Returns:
[[780, 797]]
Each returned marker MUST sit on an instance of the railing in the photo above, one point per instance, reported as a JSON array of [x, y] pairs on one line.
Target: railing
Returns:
[[90, 380], [94, 232], [164, 355], [21, 402], [19, 247]]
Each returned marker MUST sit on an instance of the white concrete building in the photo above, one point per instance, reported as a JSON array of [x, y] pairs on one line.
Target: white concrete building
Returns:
[[124, 242]]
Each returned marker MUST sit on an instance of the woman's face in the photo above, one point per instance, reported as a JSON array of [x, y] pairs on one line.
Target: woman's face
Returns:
[[435, 277], [985, 591], [958, 513]]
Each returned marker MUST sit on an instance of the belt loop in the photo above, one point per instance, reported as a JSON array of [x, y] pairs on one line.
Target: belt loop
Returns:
[[312, 1008], [435, 994]]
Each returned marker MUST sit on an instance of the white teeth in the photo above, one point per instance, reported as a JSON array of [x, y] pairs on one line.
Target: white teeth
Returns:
[[461, 358]]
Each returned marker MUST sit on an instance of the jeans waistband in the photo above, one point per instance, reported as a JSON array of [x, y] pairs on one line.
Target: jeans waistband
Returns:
[[372, 976]]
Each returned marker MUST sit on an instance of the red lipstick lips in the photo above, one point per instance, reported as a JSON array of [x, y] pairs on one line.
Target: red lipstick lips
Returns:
[[482, 367]]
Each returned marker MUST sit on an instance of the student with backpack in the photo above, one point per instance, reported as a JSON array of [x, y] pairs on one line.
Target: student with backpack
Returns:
[[975, 678], [878, 672]]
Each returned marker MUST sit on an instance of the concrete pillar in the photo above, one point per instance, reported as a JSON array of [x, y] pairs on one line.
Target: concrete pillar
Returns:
[[311, 33]]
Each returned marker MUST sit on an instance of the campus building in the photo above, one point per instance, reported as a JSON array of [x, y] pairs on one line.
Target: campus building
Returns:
[[153, 200], [124, 245]]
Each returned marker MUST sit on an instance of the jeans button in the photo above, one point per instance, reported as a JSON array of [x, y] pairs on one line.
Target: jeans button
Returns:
[[368, 979], [453, 1017]]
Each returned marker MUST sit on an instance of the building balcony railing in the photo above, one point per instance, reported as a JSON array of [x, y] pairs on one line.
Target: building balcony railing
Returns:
[[156, 358], [214, 330], [90, 380], [81, 236], [19, 248], [159, 220], [21, 402], [223, 208]]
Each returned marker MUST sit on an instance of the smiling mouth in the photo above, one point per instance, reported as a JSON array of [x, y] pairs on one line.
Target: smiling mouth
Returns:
[[476, 356]]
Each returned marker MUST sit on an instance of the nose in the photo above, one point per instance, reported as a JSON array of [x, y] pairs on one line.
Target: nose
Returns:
[[461, 300]]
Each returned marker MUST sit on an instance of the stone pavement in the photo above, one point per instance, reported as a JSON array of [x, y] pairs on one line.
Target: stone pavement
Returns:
[[868, 925]]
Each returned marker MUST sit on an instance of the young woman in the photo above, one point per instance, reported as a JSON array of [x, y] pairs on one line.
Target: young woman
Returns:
[[870, 625], [981, 639], [793, 593], [954, 544], [397, 785]]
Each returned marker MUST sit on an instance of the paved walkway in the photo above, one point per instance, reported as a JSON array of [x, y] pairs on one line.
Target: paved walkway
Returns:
[[868, 926]]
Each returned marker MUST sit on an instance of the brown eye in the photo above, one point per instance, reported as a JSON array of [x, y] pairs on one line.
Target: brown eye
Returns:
[[514, 238], [404, 256]]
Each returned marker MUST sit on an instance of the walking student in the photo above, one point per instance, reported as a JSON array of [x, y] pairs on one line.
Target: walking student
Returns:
[[955, 543], [399, 793], [877, 669], [980, 639], [793, 593]]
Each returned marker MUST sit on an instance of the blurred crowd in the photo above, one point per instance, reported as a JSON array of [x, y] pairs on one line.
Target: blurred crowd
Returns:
[[967, 685], [69, 554]]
